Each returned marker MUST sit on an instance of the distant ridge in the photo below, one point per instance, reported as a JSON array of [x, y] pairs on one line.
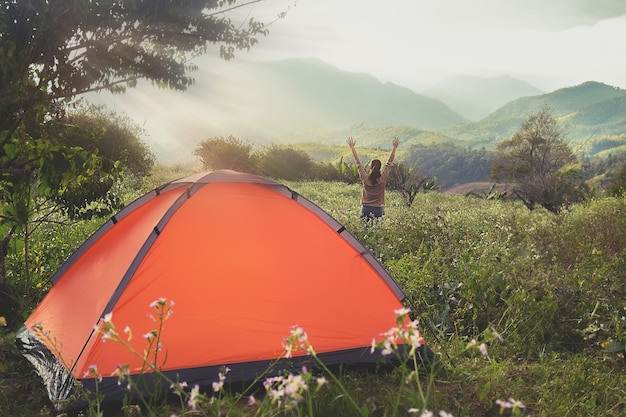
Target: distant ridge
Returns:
[[307, 100], [476, 97], [308, 93], [606, 118], [591, 110], [561, 101]]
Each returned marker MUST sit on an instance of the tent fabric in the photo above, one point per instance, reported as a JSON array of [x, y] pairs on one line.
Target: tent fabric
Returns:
[[242, 257]]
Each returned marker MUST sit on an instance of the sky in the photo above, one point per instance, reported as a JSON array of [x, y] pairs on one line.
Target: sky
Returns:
[[550, 44], [415, 43]]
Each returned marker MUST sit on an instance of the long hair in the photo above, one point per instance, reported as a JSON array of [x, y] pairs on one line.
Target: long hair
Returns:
[[375, 171]]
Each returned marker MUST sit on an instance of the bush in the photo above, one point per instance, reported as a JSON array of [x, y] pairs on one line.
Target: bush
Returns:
[[285, 163], [551, 285], [226, 153], [114, 136]]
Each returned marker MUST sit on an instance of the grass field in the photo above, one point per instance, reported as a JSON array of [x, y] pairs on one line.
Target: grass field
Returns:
[[552, 286]]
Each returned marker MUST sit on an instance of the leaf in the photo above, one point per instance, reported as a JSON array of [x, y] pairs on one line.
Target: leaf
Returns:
[[11, 149], [613, 346]]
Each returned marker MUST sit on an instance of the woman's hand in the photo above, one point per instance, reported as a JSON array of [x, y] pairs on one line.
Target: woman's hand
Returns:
[[351, 142], [395, 142]]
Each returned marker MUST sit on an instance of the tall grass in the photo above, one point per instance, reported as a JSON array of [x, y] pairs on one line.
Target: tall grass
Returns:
[[553, 286]]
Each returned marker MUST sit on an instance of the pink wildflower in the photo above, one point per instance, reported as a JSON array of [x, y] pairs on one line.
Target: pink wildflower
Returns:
[[217, 386], [194, 397], [297, 340], [92, 372], [405, 331]]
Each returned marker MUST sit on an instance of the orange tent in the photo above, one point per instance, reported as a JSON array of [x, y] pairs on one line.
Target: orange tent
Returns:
[[243, 258]]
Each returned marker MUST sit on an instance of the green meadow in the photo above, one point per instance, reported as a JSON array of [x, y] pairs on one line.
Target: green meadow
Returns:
[[526, 311]]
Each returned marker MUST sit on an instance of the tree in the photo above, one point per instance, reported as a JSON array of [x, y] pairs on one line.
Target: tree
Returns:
[[537, 162], [113, 136], [116, 141], [226, 153], [53, 51], [347, 171], [617, 187], [286, 163], [452, 164], [409, 182]]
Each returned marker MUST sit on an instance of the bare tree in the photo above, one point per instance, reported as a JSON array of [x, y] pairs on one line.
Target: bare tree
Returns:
[[537, 162], [409, 182]]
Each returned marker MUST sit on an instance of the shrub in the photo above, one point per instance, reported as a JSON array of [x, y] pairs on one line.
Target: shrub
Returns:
[[285, 163], [226, 153], [551, 285]]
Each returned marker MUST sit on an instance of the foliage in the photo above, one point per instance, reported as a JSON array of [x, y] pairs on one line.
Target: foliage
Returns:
[[275, 161], [551, 285], [51, 52], [226, 153], [452, 164], [377, 137], [322, 152], [286, 393], [50, 245], [408, 182], [21, 391], [283, 162], [117, 143], [446, 162], [536, 161], [349, 172], [492, 194], [618, 186], [38, 178], [113, 136], [590, 112], [609, 143], [66, 50], [341, 171]]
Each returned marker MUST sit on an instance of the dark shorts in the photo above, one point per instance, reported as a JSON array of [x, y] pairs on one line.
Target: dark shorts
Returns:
[[372, 212]]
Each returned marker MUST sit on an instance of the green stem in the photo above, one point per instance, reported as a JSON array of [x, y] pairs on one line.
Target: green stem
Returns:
[[341, 387]]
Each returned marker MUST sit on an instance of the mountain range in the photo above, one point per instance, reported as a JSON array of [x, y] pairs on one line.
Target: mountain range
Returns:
[[589, 114], [476, 97], [307, 100]]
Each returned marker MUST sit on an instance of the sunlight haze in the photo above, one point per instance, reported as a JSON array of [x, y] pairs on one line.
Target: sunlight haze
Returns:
[[551, 44], [411, 43]]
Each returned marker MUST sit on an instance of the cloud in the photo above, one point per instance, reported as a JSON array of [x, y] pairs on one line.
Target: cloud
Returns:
[[590, 11], [564, 14]]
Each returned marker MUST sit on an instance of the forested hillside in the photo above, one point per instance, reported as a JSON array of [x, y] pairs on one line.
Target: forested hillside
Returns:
[[589, 113], [592, 115], [307, 100]]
